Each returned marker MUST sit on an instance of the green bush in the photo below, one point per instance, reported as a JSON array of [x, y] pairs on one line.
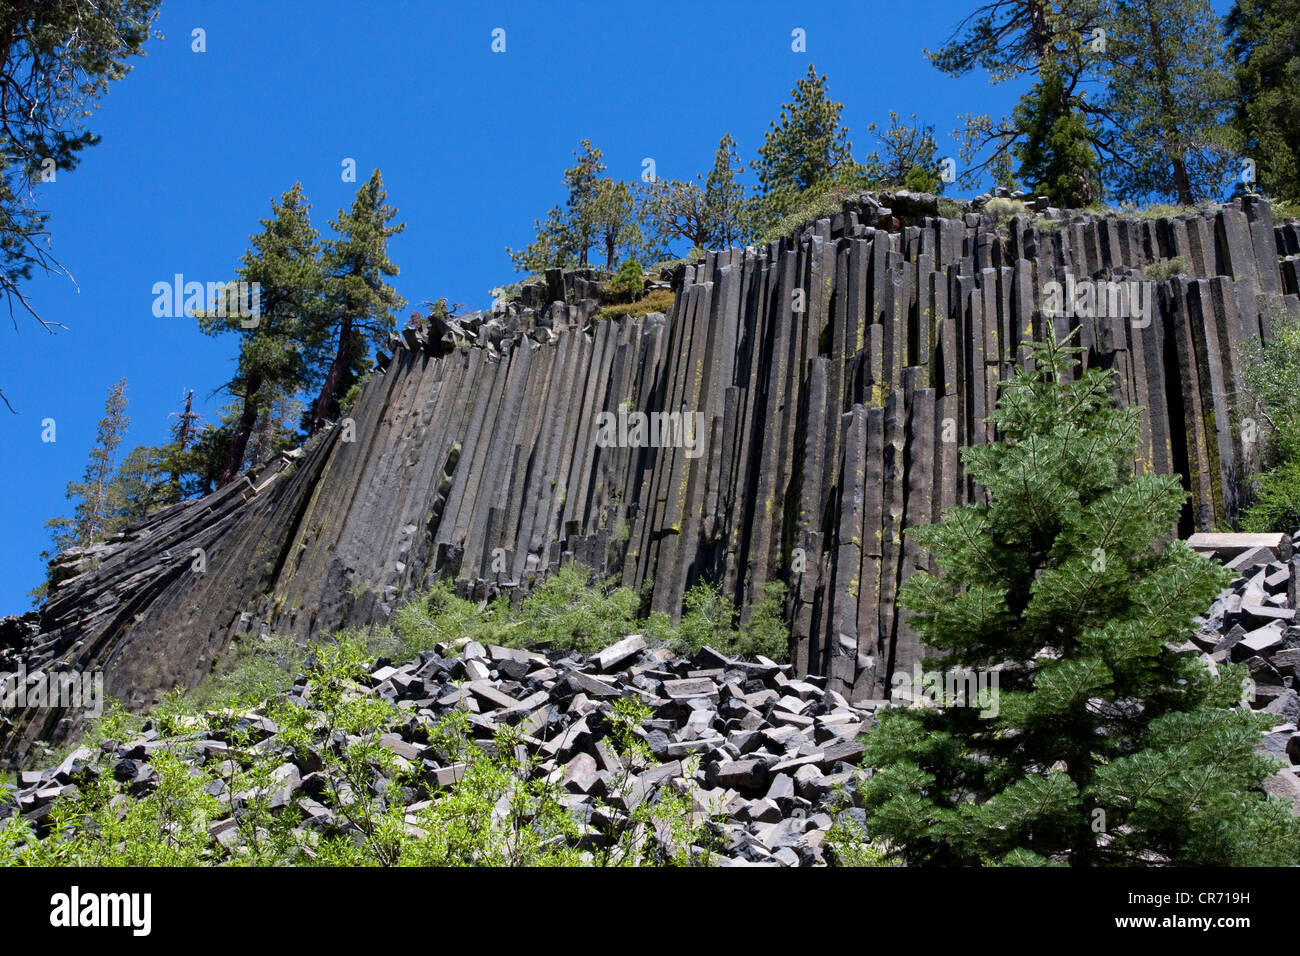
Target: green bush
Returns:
[[628, 281], [252, 669], [503, 810], [1166, 269], [1270, 410], [1004, 210]]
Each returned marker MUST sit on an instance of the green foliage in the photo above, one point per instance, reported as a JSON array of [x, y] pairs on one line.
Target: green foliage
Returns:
[[357, 304], [1106, 746], [1169, 97], [379, 809], [1056, 151], [726, 209], [819, 202], [711, 620], [93, 516], [805, 148], [252, 669], [281, 350], [1166, 269], [567, 611], [58, 59], [909, 160], [1264, 45], [1004, 210], [1271, 405], [628, 282]]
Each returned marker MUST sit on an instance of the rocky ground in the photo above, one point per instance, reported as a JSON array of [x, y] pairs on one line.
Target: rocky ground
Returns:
[[772, 757], [1254, 623]]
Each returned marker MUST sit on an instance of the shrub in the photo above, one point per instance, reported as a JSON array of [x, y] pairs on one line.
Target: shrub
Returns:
[[628, 282], [1271, 409], [1004, 210], [1166, 269]]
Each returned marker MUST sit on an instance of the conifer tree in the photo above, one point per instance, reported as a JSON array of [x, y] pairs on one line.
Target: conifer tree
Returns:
[[612, 214], [284, 261], [1264, 43], [725, 205], [1010, 39], [1103, 744], [358, 305], [1169, 95], [93, 514], [1057, 153], [806, 147], [583, 180]]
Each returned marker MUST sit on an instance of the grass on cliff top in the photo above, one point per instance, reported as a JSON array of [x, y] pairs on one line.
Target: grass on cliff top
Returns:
[[656, 300]]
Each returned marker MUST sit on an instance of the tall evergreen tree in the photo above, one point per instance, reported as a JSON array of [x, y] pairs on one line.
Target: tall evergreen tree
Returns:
[[284, 261], [1101, 743], [1057, 153], [613, 216], [806, 147], [93, 513], [726, 209], [1169, 94], [358, 305], [1264, 42], [1010, 39], [581, 230]]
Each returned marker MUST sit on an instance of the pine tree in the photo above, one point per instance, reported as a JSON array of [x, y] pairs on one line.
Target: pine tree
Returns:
[[284, 261], [1057, 153], [1010, 39], [612, 214], [583, 180], [1264, 42], [93, 515], [1169, 95], [807, 147], [725, 206], [909, 160], [358, 304], [1100, 743]]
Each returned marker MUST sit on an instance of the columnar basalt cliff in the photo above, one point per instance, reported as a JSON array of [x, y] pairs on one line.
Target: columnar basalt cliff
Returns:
[[838, 373]]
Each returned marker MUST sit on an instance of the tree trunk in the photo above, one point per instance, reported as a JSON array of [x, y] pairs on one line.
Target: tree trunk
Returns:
[[243, 428], [342, 359]]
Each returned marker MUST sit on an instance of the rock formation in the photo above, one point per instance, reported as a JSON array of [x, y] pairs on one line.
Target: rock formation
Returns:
[[838, 373]]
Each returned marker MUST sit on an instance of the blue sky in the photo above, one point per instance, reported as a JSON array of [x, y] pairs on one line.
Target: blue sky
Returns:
[[472, 145]]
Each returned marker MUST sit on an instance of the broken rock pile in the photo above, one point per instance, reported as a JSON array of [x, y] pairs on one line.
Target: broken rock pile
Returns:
[[1254, 622], [771, 758]]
